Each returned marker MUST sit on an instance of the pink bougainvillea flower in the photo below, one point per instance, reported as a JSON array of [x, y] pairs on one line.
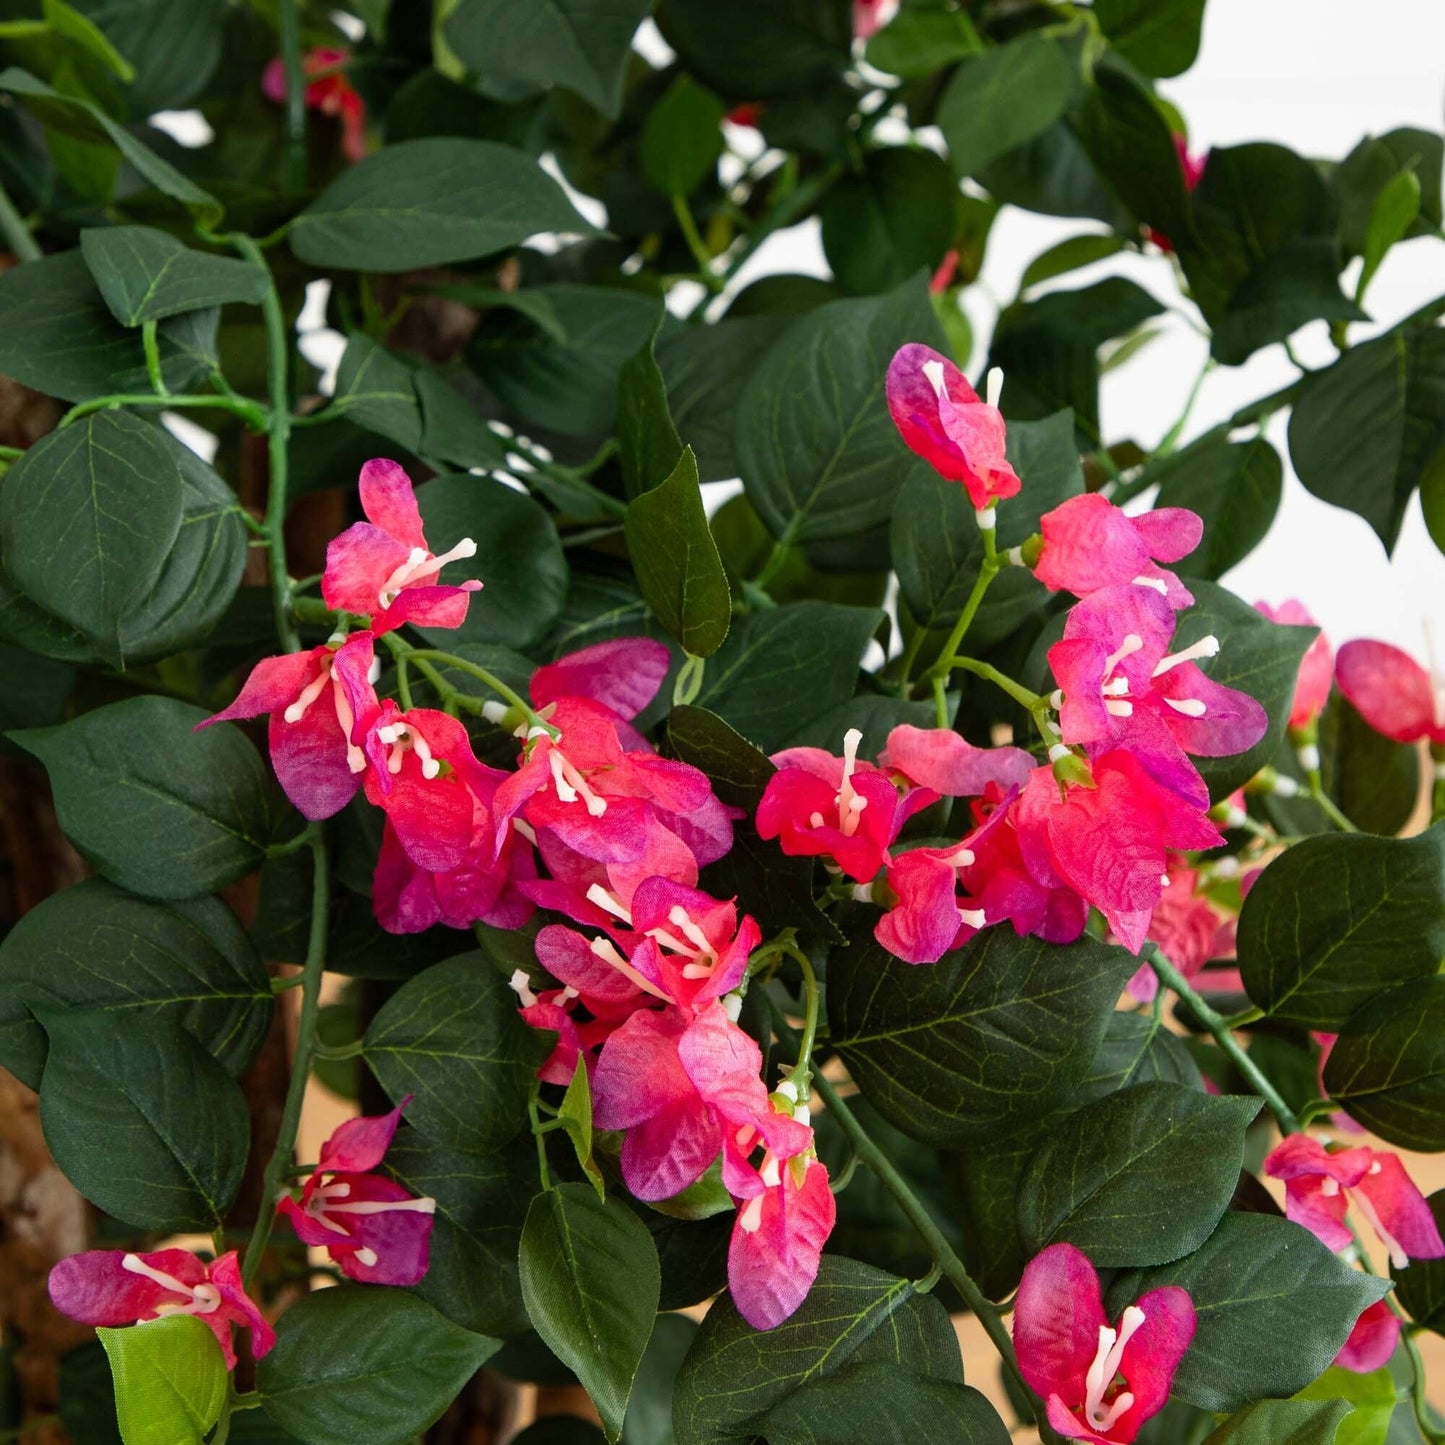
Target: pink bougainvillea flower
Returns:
[[1392, 692], [1321, 1185], [1316, 670], [778, 1240], [939, 416], [374, 1230], [315, 700], [1372, 1340], [1089, 543], [945, 763], [110, 1287], [330, 92], [818, 805], [1100, 1382], [870, 16], [554, 1010], [623, 675], [383, 568], [1185, 925]]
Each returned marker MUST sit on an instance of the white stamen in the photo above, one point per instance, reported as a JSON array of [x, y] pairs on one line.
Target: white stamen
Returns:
[[608, 952], [571, 785], [393, 584], [525, 829], [1329, 1187], [850, 805], [1056, 698], [972, 917], [993, 386], [1117, 708], [770, 1173], [386, 1206], [933, 370], [313, 689], [862, 893], [1116, 687], [1398, 1257], [1059, 751], [366, 1256], [1189, 706], [1164, 881], [960, 857], [355, 757], [521, 985], [1309, 758], [1131, 644], [373, 673], [1205, 647], [204, 1298], [987, 519], [1157, 583], [678, 916], [597, 894], [1105, 1367], [752, 1215], [815, 820]]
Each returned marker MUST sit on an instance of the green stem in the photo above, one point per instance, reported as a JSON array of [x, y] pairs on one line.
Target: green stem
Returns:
[[472, 669], [1020, 694], [283, 1155], [1218, 1026], [403, 683], [1423, 1416], [801, 1073], [290, 26], [12, 226], [986, 573], [538, 1133], [910, 656], [253, 415], [695, 244], [153, 358], [952, 1267], [772, 565], [1326, 804]]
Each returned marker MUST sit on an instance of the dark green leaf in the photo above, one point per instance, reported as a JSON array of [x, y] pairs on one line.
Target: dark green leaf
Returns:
[[354, 1364], [1388, 1067], [778, 889], [1272, 1308], [375, 390], [677, 562], [519, 559], [648, 446], [87, 1396], [1396, 208], [884, 223], [141, 1119], [682, 138], [1138, 1178], [1283, 1422], [36, 690], [138, 770], [1052, 174], [1002, 97], [737, 770], [590, 1281], [174, 45], [1235, 487], [875, 715], [454, 1038], [1070, 255], [1359, 180], [919, 41], [579, 44], [783, 666], [452, 430], [95, 947], [170, 1381], [1160, 37], [649, 1411], [854, 1315], [560, 1430], [1137, 1050], [818, 452], [1338, 919], [575, 1112], [57, 335], [426, 202], [1420, 1286], [481, 1204], [145, 274], [997, 1033], [1375, 780]]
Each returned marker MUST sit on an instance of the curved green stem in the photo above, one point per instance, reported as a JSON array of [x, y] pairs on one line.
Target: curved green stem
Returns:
[[472, 669], [986, 573], [1326, 804], [1424, 1418], [801, 1074], [695, 244], [151, 345], [1020, 694], [283, 1155], [253, 415], [12, 226]]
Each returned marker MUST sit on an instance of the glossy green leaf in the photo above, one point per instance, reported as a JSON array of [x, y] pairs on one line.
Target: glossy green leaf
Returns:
[[819, 454], [427, 202], [146, 275], [676, 560], [1159, 37], [590, 1280], [1340, 918], [1235, 487], [170, 1380], [997, 1033], [1003, 96], [581, 45], [854, 1315], [138, 769], [1283, 1422], [454, 1038], [94, 946], [1138, 1178], [649, 1410], [141, 1119], [1420, 1286], [375, 390], [919, 41], [1388, 1067], [1272, 1308], [682, 138], [354, 1364], [648, 445]]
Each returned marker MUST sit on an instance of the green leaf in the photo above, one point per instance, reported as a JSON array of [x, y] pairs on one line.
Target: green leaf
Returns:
[[1373, 1396], [174, 45], [1235, 487], [1052, 174], [1272, 1306], [481, 1204], [427, 202], [355, 1364], [649, 1411], [1369, 429], [71, 25], [783, 666], [1003, 96], [677, 562], [170, 1380], [79, 120], [648, 445], [87, 1395], [453, 1037], [1138, 1050], [998, 1033], [919, 41], [451, 428], [375, 390], [1283, 1422], [576, 1116], [581, 45], [57, 335], [937, 550], [1387, 1070], [1359, 180], [854, 1315], [884, 223], [1138, 1178], [1338, 919], [96, 947], [1069, 255], [1159, 37], [682, 138], [519, 558], [138, 769], [141, 1119], [590, 1280], [737, 770], [1420, 1286], [145, 274], [1396, 208], [819, 454]]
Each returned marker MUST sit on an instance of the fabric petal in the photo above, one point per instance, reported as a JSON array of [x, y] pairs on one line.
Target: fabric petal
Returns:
[[949, 764], [1152, 1355], [1391, 691], [389, 500], [274, 683], [359, 563], [772, 1267], [623, 675], [1058, 1313], [1372, 1340], [359, 1145]]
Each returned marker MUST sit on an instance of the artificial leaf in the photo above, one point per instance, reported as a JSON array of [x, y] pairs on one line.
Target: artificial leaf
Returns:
[[1283, 1422], [146, 275], [682, 138], [375, 390], [575, 1112], [1069, 255], [1160, 37], [1373, 1396], [648, 446], [1420, 1286], [170, 1380], [919, 41], [173, 45], [1235, 487], [649, 1410]]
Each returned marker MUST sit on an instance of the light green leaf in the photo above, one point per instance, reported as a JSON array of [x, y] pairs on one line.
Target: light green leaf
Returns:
[[576, 1116], [170, 1380]]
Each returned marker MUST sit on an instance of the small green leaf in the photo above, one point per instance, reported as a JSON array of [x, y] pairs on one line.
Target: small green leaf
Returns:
[[1284, 1422], [591, 1282], [737, 770], [576, 1116], [682, 138], [1160, 37], [1137, 1049], [1138, 1178], [648, 445], [1069, 255], [919, 41], [170, 1380], [1396, 208], [1235, 487], [354, 1364], [145, 274], [141, 1119], [1373, 1396]]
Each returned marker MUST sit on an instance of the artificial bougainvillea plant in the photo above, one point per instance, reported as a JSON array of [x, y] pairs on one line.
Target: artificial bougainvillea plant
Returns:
[[915, 885]]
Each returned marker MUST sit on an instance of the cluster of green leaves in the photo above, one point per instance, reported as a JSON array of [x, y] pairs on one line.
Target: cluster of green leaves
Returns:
[[569, 401]]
